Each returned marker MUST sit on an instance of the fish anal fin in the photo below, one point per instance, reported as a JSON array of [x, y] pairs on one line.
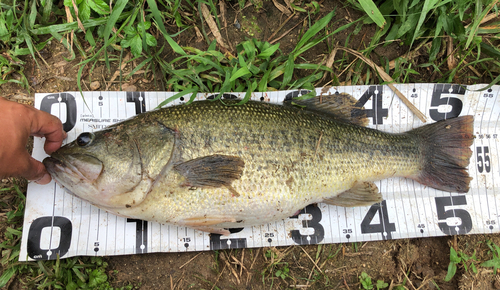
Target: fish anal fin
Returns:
[[207, 224], [361, 194], [340, 106], [211, 171], [213, 230], [207, 220]]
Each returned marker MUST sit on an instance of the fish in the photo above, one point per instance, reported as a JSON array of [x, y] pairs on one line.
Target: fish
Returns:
[[215, 165]]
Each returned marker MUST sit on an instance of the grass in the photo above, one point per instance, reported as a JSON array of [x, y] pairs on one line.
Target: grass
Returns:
[[450, 36]]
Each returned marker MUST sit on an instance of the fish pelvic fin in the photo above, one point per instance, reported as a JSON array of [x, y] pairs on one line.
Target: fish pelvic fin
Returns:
[[339, 106], [212, 171], [208, 223], [361, 194], [446, 154]]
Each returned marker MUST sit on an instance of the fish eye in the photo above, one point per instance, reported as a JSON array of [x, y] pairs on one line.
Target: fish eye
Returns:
[[84, 139]]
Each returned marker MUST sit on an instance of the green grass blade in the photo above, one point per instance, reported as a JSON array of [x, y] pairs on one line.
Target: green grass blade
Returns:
[[74, 25], [243, 71], [32, 16], [161, 26], [113, 18], [269, 51], [372, 11], [178, 95], [428, 5], [314, 30], [477, 21], [6, 276], [288, 73]]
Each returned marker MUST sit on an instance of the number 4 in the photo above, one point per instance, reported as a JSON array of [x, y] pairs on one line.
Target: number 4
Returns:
[[384, 226]]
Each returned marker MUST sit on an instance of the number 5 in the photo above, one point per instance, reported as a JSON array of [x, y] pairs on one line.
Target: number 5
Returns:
[[455, 103]]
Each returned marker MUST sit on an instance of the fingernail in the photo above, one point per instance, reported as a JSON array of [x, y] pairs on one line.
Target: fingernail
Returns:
[[44, 180]]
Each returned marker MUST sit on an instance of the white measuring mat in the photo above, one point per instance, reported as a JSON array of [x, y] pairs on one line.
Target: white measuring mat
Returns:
[[58, 223]]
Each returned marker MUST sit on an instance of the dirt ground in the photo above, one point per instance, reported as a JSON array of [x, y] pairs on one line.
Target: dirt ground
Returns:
[[414, 263]]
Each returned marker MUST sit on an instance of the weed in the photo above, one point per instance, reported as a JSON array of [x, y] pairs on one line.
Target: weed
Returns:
[[456, 259], [366, 282], [283, 272], [495, 262], [134, 39]]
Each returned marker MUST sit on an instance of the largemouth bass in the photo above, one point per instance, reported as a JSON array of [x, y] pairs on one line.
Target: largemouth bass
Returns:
[[212, 165]]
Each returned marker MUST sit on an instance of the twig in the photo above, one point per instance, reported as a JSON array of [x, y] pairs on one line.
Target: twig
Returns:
[[412, 54], [117, 72], [345, 283], [388, 79], [312, 270], [249, 273], [237, 262], [190, 260], [256, 255], [241, 262], [279, 28], [408, 279], [358, 254], [233, 271], [313, 261], [317, 144], [218, 277], [286, 32], [472, 68]]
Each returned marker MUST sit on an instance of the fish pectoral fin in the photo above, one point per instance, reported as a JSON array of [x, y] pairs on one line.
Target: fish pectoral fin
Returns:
[[339, 106], [211, 171], [361, 194]]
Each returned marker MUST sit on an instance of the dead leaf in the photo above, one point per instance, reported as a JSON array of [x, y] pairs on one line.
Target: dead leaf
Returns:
[[80, 25], [213, 26], [282, 8], [451, 61]]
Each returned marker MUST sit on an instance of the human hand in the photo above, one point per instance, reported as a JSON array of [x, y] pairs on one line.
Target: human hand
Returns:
[[17, 123]]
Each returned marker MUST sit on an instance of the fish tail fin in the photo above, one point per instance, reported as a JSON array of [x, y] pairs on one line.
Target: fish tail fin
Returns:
[[446, 153]]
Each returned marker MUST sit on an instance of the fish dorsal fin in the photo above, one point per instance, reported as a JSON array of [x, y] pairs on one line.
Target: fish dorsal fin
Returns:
[[211, 171], [339, 105], [361, 194]]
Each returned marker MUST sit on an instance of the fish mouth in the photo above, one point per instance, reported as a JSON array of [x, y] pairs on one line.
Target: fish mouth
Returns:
[[83, 167]]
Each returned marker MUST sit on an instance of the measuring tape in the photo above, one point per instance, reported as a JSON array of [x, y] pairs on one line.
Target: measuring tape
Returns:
[[58, 223]]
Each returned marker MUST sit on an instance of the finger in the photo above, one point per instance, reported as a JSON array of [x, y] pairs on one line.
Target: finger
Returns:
[[50, 127], [33, 170]]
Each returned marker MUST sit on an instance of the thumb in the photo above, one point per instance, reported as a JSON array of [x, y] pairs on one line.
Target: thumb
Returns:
[[35, 171]]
